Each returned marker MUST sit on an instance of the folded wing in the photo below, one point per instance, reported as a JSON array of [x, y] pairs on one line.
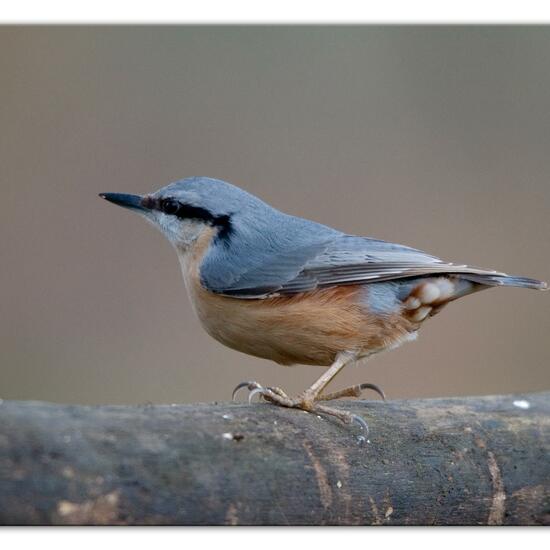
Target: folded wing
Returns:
[[348, 260]]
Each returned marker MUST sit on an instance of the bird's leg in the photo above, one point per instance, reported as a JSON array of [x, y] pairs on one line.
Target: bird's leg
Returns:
[[307, 399]]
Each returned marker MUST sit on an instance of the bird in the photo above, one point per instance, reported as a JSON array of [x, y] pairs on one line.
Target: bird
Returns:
[[295, 291]]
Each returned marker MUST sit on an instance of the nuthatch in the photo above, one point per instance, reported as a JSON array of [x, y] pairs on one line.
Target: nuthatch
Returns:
[[297, 292]]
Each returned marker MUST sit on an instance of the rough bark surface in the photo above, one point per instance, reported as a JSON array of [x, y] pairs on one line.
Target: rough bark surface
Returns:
[[477, 460]]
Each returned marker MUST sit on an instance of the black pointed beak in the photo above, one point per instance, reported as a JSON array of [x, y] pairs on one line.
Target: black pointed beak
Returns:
[[133, 202]]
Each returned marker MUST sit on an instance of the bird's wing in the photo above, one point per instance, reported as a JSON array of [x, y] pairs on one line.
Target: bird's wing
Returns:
[[352, 260], [346, 260]]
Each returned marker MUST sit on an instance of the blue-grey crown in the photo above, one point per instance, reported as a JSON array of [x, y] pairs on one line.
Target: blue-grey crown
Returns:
[[218, 197]]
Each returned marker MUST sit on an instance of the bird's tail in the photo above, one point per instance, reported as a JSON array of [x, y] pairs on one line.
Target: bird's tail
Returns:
[[490, 279]]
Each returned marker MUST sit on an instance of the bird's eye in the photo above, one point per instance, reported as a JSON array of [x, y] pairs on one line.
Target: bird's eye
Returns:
[[170, 206]]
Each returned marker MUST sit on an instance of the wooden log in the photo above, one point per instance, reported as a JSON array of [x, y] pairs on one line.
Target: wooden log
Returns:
[[461, 461]]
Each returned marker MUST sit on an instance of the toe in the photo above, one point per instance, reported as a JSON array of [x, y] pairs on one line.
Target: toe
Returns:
[[278, 391]]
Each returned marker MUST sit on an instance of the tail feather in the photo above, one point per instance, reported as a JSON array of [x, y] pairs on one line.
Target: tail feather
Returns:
[[505, 280]]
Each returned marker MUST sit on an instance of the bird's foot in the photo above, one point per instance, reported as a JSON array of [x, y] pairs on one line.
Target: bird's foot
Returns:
[[353, 391], [309, 402]]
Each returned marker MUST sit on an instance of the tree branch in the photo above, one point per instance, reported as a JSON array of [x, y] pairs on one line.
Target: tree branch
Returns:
[[476, 460]]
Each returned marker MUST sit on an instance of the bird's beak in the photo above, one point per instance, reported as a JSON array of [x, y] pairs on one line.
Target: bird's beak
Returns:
[[133, 202]]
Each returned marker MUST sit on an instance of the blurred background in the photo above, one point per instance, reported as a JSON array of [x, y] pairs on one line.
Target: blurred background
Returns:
[[435, 137]]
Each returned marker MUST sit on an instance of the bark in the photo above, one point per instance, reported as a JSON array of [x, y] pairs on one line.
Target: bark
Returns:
[[467, 461]]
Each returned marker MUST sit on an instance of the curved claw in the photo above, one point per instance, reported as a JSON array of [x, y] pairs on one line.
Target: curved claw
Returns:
[[240, 386], [251, 395], [361, 422], [375, 388]]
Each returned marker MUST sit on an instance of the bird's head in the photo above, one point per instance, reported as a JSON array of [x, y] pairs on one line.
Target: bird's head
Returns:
[[186, 208]]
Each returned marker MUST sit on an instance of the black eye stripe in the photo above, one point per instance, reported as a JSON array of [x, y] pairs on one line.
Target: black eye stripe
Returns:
[[183, 211]]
